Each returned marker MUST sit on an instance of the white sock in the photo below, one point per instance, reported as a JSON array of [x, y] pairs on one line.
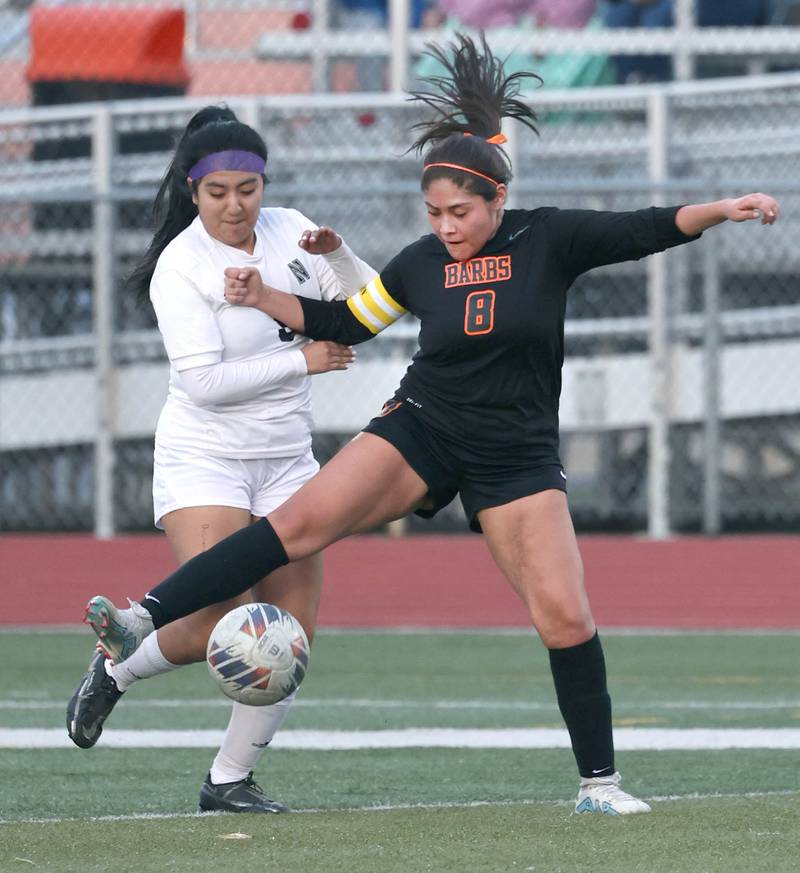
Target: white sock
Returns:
[[249, 732], [148, 660]]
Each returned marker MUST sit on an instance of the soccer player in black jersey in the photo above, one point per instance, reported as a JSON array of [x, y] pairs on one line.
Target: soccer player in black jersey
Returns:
[[477, 411]]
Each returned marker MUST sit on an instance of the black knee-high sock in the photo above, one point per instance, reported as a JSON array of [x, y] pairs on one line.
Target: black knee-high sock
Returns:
[[579, 673], [226, 570]]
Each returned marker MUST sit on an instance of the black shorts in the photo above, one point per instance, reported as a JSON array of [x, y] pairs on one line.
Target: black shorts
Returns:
[[438, 463]]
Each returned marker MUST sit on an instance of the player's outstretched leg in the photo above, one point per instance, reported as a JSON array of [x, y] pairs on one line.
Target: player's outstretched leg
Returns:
[[242, 796], [602, 794], [91, 703], [119, 631]]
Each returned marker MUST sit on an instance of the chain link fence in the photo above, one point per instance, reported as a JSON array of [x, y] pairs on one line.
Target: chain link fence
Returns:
[[681, 401]]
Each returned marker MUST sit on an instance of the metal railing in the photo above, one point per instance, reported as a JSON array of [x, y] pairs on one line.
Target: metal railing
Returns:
[[679, 344]]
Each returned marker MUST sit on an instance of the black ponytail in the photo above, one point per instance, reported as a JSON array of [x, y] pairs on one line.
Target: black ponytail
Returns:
[[470, 102], [212, 129]]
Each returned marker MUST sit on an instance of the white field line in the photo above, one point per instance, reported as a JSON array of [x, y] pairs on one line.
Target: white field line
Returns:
[[427, 630], [625, 739], [158, 816], [491, 705]]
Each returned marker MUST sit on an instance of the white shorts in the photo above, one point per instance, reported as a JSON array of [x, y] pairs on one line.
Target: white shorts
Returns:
[[181, 479]]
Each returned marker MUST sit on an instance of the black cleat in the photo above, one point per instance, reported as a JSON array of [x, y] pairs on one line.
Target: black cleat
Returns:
[[91, 703], [241, 796]]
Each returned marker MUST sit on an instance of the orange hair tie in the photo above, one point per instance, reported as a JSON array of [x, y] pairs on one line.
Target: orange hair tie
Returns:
[[463, 170], [497, 139]]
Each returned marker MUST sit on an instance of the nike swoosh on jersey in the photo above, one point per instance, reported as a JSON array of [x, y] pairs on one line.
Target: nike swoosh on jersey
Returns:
[[514, 235]]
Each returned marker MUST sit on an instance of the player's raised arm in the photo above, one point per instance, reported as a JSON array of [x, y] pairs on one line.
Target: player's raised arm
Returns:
[[696, 218], [342, 273], [586, 239]]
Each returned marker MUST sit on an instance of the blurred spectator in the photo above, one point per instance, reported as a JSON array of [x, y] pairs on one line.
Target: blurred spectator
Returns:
[[368, 73], [733, 13], [505, 13], [725, 13], [564, 13], [784, 12], [641, 13], [557, 70], [371, 14]]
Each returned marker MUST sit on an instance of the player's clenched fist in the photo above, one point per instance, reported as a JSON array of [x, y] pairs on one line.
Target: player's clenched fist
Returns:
[[244, 286], [753, 206], [321, 241], [324, 356]]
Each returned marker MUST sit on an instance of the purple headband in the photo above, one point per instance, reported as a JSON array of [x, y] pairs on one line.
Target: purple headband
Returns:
[[248, 162]]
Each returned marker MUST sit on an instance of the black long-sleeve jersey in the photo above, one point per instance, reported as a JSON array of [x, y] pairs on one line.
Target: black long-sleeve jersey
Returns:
[[487, 374]]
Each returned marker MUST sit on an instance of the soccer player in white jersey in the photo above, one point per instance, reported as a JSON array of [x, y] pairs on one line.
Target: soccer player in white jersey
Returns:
[[233, 440]]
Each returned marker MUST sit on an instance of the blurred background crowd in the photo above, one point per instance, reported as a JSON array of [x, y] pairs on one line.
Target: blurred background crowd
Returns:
[[258, 46]]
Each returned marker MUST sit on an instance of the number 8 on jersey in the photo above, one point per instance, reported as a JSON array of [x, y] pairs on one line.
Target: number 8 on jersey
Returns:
[[479, 312]]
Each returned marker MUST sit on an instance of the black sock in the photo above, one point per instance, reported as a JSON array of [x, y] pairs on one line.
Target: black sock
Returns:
[[226, 570], [579, 673]]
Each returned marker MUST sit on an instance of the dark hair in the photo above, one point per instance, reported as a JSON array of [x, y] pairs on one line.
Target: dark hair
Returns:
[[212, 129], [470, 103]]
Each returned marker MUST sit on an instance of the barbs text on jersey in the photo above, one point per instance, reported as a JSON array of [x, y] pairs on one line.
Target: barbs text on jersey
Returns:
[[492, 268]]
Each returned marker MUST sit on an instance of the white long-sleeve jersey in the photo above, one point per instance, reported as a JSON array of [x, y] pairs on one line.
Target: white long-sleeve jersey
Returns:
[[238, 385]]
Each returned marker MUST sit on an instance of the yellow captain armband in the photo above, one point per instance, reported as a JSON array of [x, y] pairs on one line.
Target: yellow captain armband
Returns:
[[374, 307]]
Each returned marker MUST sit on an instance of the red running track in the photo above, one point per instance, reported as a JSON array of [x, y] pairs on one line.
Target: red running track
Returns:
[[734, 582]]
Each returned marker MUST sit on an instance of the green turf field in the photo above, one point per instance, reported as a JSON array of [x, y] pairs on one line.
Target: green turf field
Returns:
[[421, 808]]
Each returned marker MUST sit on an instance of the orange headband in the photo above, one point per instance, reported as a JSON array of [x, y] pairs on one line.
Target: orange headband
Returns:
[[464, 170], [497, 139]]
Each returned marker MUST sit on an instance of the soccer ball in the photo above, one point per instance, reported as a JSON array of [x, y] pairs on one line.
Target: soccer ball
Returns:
[[258, 654]]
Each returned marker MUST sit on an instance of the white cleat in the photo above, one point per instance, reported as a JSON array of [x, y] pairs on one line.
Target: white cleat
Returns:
[[119, 631], [602, 794]]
